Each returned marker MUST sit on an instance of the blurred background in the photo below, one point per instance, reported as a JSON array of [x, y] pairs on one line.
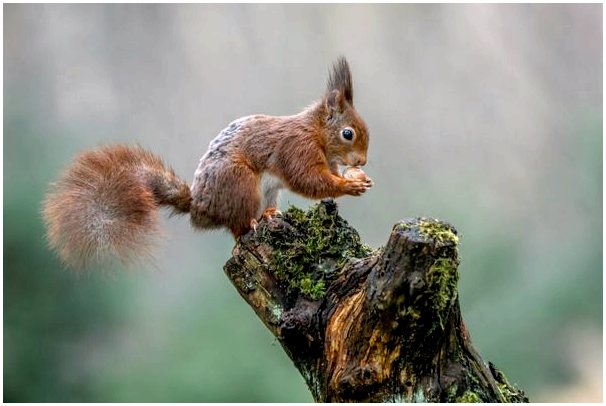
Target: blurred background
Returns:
[[487, 116]]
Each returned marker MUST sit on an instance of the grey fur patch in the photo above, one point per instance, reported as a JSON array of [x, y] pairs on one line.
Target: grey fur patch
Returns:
[[217, 150], [227, 134]]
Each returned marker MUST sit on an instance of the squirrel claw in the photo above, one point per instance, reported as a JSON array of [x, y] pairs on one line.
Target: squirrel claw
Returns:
[[271, 213], [357, 187], [253, 224]]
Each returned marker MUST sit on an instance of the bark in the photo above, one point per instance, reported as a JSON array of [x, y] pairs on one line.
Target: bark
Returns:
[[360, 324]]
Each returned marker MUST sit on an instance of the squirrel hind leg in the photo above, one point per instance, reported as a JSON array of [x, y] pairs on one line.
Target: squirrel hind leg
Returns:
[[270, 212], [226, 195]]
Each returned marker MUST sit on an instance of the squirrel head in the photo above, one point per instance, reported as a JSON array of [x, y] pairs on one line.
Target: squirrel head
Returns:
[[346, 135]]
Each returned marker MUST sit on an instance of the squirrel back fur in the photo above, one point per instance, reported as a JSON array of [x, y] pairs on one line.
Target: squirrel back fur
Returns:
[[105, 205]]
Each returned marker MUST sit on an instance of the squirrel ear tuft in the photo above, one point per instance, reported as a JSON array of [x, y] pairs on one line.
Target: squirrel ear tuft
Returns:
[[334, 102], [339, 79]]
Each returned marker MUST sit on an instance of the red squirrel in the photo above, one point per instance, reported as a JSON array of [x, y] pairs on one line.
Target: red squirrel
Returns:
[[106, 203]]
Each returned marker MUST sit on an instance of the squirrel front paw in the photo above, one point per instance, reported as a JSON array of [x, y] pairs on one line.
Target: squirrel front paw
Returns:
[[355, 187]]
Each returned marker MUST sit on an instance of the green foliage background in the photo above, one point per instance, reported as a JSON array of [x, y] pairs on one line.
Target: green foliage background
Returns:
[[488, 116]]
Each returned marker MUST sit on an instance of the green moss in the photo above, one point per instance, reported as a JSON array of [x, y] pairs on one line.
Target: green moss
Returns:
[[511, 393], [276, 312], [402, 227], [469, 397], [308, 254], [413, 313], [418, 396], [442, 282], [451, 392], [442, 279], [438, 231]]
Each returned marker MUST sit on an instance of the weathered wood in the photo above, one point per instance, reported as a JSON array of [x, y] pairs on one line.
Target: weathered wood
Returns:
[[360, 324]]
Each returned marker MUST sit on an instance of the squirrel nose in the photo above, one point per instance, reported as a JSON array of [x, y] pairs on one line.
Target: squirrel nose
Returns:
[[361, 161], [356, 159]]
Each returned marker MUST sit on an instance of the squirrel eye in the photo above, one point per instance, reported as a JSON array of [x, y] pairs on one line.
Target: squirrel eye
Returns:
[[347, 133]]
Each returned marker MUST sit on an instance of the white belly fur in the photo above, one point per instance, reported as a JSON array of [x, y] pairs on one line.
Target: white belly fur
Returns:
[[270, 191]]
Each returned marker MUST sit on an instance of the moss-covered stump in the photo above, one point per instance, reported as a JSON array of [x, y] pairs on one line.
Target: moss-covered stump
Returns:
[[364, 325]]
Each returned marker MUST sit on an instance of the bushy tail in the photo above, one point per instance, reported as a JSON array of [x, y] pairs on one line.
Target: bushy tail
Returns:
[[105, 205]]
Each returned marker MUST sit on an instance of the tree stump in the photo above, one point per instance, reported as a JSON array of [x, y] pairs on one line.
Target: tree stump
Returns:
[[365, 325]]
